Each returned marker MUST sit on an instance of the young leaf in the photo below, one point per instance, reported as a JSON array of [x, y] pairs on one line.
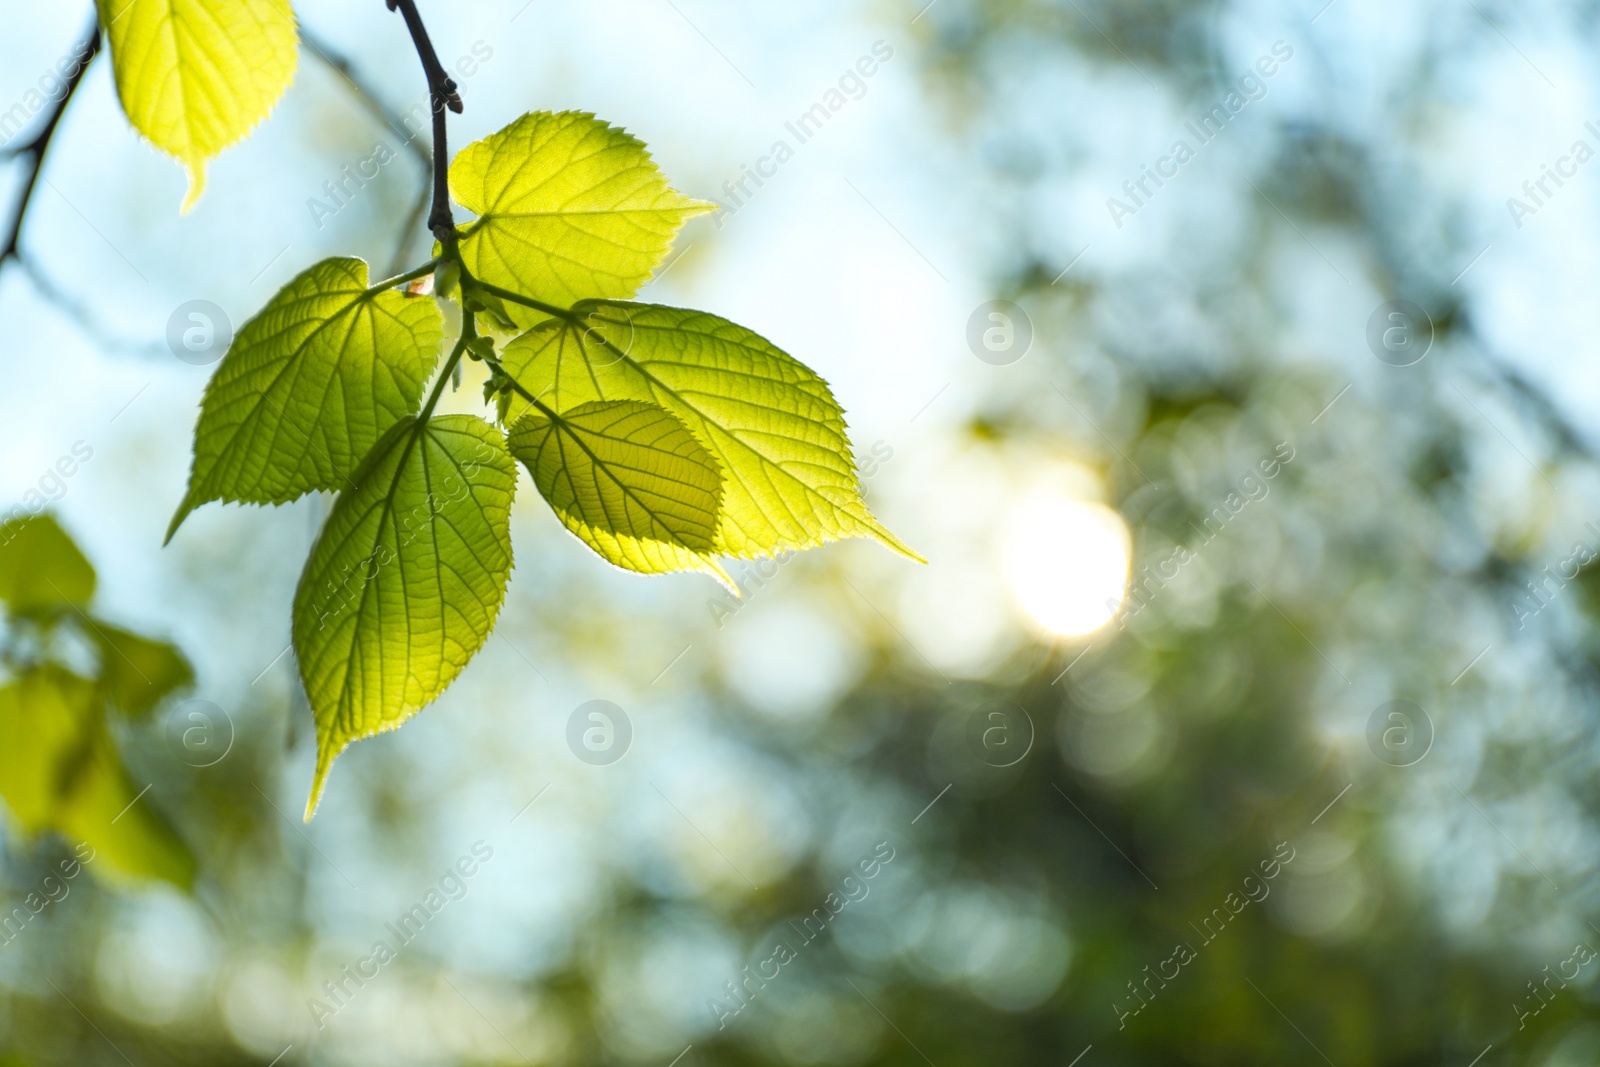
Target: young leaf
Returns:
[[195, 76], [766, 418], [309, 386], [40, 567], [403, 585], [630, 481], [568, 208], [136, 673]]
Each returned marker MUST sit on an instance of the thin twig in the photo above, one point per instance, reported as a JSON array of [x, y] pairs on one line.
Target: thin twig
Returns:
[[364, 92], [442, 90], [80, 313], [37, 147]]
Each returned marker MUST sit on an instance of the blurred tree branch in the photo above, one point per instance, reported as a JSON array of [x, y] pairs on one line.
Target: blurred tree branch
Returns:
[[369, 98], [39, 145]]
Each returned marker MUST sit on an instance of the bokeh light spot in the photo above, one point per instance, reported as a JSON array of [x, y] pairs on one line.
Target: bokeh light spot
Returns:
[[1068, 562]]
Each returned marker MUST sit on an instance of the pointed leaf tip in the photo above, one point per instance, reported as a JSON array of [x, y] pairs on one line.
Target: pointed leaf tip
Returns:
[[405, 581], [196, 77], [197, 185], [770, 422]]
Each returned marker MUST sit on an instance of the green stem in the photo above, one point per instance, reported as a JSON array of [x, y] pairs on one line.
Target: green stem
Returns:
[[469, 331], [549, 413], [469, 282], [410, 275]]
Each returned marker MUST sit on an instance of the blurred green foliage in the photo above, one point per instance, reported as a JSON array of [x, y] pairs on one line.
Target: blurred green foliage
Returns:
[[59, 765]]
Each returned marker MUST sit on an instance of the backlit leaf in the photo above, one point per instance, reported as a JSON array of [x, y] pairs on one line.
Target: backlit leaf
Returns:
[[568, 208], [309, 386], [195, 76], [768, 420], [405, 582], [629, 480]]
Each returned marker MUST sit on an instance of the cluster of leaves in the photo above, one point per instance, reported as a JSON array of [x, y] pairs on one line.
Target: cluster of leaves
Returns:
[[662, 438], [67, 673]]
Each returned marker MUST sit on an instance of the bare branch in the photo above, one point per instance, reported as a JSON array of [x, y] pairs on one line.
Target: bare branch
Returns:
[[442, 89], [39, 145]]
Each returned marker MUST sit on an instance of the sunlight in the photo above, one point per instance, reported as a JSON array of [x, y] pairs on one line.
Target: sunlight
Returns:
[[1068, 562]]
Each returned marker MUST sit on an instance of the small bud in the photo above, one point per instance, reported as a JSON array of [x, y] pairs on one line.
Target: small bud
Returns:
[[497, 315], [446, 278]]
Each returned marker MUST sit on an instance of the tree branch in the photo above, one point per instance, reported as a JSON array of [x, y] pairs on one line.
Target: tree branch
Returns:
[[442, 90], [84, 316], [36, 148]]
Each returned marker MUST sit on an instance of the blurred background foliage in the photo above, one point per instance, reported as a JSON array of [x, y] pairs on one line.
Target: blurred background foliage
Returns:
[[1211, 848]]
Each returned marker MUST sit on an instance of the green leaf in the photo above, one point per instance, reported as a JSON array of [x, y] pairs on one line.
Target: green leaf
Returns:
[[630, 481], [105, 808], [765, 418], [41, 569], [44, 717], [137, 673], [59, 770], [309, 386], [403, 585], [568, 208], [195, 76]]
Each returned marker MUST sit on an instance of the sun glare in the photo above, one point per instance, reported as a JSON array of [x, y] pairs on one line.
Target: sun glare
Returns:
[[1068, 562]]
